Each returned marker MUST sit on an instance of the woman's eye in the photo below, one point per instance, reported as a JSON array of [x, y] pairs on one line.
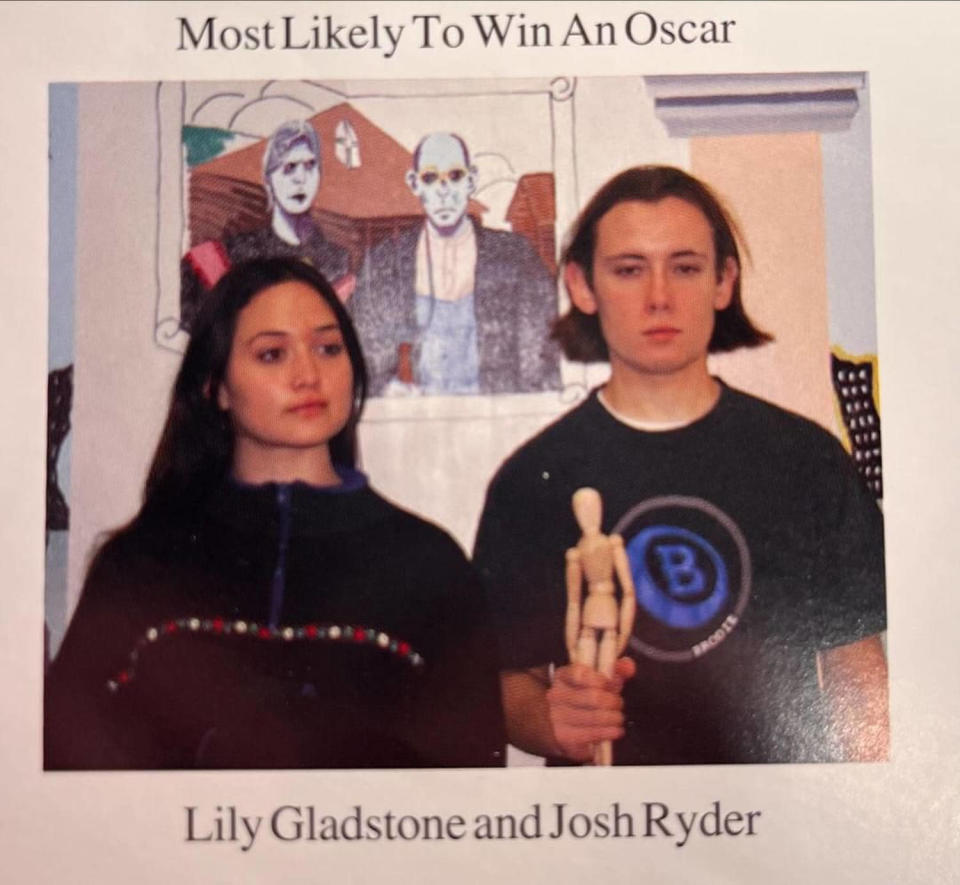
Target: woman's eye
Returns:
[[288, 168], [332, 349], [270, 355]]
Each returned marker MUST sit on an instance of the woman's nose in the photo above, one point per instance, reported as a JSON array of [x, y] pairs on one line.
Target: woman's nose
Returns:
[[306, 370]]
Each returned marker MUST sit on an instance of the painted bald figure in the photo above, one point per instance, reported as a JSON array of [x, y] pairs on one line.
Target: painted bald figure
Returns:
[[451, 307]]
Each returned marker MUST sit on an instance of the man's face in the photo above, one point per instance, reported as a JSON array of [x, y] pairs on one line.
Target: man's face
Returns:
[[443, 182], [654, 286], [295, 181]]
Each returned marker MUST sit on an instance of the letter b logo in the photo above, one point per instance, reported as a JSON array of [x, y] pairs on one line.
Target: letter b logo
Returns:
[[678, 565], [679, 576]]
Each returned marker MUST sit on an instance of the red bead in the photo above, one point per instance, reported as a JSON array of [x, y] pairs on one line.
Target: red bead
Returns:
[[311, 630], [359, 635], [218, 625], [264, 633], [404, 648], [123, 677], [170, 627]]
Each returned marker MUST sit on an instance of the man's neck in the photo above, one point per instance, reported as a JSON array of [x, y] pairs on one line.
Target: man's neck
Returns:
[[449, 233], [675, 398]]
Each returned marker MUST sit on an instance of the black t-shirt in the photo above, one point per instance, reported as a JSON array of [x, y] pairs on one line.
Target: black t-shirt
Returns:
[[752, 544]]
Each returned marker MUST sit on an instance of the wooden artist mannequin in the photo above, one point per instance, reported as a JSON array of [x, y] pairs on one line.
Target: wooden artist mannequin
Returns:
[[596, 559]]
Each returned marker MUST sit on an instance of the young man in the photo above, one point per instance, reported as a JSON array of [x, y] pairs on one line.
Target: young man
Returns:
[[756, 550]]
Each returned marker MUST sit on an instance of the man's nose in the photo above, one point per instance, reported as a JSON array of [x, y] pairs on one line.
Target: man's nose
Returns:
[[659, 294]]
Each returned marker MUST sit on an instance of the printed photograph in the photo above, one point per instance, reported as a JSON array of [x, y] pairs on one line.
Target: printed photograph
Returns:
[[463, 423]]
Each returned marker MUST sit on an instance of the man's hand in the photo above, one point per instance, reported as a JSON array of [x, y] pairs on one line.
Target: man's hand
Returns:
[[581, 708], [586, 707]]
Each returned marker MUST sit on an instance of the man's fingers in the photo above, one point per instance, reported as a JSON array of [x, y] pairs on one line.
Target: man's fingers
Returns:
[[624, 670], [579, 744], [582, 676], [592, 698], [586, 716]]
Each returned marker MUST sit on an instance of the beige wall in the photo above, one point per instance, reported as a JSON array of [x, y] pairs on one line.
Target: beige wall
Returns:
[[774, 186], [122, 379]]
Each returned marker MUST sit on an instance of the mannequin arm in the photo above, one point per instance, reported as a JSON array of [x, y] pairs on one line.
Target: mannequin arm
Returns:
[[628, 599]]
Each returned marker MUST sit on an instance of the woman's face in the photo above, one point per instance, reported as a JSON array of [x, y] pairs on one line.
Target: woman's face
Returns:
[[295, 181], [289, 383]]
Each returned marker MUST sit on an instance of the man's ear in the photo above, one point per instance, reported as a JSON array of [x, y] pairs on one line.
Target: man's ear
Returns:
[[413, 182], [471, 180], [579, 289], [728, 278]]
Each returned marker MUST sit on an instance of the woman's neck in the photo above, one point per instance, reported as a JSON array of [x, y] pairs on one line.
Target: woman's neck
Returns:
[[290, 228], [255, 465]]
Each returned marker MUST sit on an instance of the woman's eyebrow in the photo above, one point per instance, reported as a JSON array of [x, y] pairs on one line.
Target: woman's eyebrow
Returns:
[[274, 333]]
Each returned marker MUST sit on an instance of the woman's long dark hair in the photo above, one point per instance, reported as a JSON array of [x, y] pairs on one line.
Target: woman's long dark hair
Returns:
[[195, 452]]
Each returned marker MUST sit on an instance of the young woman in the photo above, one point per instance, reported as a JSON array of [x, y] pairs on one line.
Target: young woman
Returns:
[[266, 608]]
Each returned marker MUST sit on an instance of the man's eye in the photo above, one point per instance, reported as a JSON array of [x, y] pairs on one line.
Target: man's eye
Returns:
[[429, 177], [270, 355], [687, 270], [455, 174], [628, 270]]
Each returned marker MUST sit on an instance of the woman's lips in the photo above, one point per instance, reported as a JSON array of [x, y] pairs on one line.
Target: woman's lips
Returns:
[[310, 407]]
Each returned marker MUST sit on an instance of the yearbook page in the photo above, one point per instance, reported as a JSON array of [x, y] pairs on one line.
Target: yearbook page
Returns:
[[509, 212]]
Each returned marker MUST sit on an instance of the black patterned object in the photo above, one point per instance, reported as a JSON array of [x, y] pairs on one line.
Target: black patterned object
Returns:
[[853, 384], [59, 401]]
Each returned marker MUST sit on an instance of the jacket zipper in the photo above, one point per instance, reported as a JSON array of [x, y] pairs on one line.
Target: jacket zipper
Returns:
[[278, 584]]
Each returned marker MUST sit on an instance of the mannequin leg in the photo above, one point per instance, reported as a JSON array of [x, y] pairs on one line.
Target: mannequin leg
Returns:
[[606, 659], [587, 647]]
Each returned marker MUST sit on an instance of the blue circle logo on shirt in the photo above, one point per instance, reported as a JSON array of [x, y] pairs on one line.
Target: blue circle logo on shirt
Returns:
[[679, 577], [691, 572]]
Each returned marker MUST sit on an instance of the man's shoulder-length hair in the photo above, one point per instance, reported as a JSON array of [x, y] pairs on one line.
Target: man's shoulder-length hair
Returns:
[[579, 333]]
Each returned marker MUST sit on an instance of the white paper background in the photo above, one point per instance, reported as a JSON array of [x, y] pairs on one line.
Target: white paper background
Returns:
[[897, 822]]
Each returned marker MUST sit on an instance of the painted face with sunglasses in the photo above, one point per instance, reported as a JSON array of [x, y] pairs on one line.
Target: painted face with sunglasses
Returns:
[[443, 181]]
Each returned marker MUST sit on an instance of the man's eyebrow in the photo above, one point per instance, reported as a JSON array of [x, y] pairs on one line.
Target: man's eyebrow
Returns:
[[620, 256], [640, 256]]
